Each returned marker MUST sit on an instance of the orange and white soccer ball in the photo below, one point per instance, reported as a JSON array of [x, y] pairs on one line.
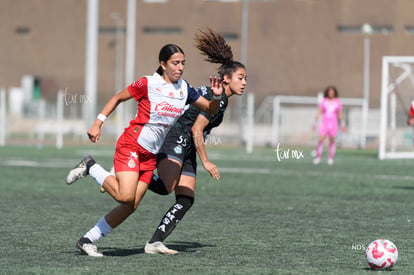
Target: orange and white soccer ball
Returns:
[[381, 254]]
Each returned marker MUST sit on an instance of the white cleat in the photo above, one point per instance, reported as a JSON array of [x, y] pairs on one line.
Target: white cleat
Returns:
[[88, 249], [316, 161], [80, 170], [158, 248], [330, 161]]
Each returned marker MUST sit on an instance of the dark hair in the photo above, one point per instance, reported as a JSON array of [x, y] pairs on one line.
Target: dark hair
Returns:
[[218, 51], [165, 53], [325, 93]]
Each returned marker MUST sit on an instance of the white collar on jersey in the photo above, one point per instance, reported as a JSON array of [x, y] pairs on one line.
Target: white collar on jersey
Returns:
[[163, 82]]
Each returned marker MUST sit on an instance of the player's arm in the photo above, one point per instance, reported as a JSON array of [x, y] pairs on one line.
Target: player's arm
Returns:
[[95, 131], [341, 120], [318, 115], [213, 106], [197, 129]]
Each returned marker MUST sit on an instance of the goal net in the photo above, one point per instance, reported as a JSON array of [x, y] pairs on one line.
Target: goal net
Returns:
[[289, 120], [397, 93]]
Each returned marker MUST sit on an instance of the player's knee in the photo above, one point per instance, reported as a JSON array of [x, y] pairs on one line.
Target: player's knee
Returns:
[[185, 200], [125, 198]]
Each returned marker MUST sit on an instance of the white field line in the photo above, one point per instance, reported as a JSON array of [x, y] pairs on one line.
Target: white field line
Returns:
[[314, 174], [69, 163]]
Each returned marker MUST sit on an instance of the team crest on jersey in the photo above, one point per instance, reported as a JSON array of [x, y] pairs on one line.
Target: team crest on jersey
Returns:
[[178, 149], [131, 163], [181, 93]]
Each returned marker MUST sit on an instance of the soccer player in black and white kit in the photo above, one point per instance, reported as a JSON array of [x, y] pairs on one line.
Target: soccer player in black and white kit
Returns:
[[176, 161], [162, 98]]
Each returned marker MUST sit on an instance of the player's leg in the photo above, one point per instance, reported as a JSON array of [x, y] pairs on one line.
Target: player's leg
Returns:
[[170, 161], [116, 216], [122, 187], [169, 170], [332, 150], [319, 148], [323, 129], [184, 194], [332, 145]]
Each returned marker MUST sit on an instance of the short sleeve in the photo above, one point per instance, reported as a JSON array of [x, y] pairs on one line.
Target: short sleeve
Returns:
[[321, 103], [139, 88], [193, 95]]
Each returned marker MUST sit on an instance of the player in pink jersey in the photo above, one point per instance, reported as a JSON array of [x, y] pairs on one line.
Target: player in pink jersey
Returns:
[[331, 110], [161, 98]]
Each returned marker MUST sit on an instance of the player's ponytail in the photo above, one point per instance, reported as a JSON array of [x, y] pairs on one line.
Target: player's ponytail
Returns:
[[217, 51]]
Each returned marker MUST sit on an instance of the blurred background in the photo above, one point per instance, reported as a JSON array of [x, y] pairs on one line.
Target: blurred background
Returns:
[[60, 61]]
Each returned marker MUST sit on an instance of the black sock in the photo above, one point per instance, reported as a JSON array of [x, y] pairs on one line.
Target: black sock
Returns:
[[157, 186], [173, 216]]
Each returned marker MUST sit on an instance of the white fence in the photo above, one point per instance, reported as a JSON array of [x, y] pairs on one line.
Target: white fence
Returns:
[[60, 123]]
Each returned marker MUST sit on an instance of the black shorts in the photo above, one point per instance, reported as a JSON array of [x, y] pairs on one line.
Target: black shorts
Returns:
[[180, 147]]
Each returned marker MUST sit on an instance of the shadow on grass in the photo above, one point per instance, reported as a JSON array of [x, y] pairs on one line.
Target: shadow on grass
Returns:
[[404, 187], [187, 247], [181, 247], [121, 252]]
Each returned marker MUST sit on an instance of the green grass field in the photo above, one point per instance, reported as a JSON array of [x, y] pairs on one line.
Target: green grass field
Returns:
[[264, 216]]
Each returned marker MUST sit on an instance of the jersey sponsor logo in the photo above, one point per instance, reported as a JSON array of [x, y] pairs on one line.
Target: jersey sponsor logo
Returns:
[[167, 109]]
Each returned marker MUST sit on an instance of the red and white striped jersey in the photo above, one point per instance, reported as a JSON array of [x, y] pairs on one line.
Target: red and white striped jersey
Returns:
[[160, 104]]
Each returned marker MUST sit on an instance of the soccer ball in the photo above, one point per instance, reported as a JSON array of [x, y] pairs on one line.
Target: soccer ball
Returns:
[[381, 254]]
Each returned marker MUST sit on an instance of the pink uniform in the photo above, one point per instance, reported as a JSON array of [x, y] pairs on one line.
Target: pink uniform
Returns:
[[329, 122]]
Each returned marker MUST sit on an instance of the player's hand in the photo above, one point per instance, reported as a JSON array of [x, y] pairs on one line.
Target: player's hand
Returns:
[[314, 127], [94, 133], [216, 85], [343, 126], [212, 169]]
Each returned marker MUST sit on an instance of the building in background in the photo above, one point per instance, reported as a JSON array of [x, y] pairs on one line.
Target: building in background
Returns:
[[294, 47]]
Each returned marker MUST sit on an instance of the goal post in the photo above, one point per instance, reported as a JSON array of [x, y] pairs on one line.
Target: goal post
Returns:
[[284, 107], [397, 93]]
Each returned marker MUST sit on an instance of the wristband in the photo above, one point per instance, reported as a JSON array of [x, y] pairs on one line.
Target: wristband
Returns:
[[217, 97], [101, 117]]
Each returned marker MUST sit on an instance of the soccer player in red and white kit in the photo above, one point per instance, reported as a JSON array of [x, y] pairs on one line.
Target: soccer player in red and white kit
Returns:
[[161, 98], [331, 110], [177, 159]]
